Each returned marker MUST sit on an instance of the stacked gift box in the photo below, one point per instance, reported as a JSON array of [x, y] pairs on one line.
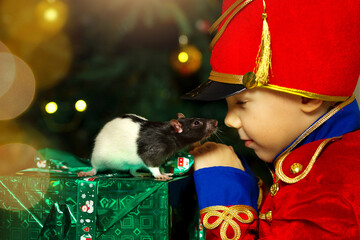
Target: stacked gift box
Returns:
[[55, 204]]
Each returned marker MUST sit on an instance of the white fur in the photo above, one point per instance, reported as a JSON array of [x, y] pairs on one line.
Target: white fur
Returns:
[[115, 146]]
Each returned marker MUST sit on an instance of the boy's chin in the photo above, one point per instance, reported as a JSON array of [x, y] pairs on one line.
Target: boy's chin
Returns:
[[266, 157]]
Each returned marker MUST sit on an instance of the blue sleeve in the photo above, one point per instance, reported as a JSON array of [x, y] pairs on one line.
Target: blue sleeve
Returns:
[[226, 186]]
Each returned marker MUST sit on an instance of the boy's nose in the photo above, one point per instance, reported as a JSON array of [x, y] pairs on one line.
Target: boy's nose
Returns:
[[232, 120]]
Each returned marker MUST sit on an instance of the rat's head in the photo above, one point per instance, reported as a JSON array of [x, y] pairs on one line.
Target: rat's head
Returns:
[[190, 130]]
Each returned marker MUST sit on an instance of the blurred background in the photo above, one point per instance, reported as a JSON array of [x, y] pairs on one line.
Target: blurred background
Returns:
[[67, 67]]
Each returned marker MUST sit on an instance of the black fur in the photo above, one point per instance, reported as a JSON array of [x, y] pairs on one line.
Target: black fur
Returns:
[[157, 141]]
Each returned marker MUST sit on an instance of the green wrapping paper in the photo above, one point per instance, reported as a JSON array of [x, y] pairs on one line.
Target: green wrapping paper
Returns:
[[106, 207], [54, 160], [51, 202]]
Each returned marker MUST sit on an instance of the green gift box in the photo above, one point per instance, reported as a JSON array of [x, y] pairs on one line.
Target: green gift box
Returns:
[[43, 206]]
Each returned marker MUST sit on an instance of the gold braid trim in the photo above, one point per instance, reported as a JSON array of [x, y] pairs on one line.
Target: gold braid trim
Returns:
[[261, 193], [226, 78], [279, 163], [225, 218], [303, 93], [238, 5]]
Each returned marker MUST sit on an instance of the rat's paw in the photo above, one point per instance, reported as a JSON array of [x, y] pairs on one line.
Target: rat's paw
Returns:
[[155, 171], [92, 172], [164, 177]]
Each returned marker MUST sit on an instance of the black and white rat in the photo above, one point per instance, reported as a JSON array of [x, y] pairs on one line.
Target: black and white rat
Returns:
[[131, 142]]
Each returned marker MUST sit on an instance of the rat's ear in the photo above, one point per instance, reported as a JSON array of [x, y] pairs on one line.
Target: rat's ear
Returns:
[[176, 125], [309, 105], [180, 115]]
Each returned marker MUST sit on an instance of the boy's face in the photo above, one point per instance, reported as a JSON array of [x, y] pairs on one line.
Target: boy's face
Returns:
[[267, 120]]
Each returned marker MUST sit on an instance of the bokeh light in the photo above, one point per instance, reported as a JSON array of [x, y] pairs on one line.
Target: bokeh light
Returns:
[[51, 15], [33, 32], [4, 48], [186, 60], [22, 24], [183, 40], [13, 158], [21, 92], [80, 106], [183, 57], [7, 71], [51, 107]]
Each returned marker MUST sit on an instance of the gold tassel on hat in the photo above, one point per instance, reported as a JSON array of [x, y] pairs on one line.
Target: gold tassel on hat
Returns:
[[263, 60]]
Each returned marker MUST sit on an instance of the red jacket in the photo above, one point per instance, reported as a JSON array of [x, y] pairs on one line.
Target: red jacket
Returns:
[[325, 204], [315, 195]]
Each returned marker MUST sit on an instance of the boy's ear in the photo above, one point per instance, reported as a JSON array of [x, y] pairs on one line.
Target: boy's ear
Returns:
[[309, 105]]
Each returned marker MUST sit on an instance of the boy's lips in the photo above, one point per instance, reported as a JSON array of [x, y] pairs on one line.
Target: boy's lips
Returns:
[[248, 142]]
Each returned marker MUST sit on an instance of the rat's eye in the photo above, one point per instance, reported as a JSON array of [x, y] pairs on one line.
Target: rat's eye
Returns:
[[196, 123]]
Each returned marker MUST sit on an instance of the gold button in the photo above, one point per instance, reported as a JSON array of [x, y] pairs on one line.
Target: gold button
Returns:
[[274, 189], [268, 216], [249, 80], [296, 168]]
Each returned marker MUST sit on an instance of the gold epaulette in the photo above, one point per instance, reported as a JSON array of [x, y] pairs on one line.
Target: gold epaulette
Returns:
[[296, 168], [225, 217], [300, 170]]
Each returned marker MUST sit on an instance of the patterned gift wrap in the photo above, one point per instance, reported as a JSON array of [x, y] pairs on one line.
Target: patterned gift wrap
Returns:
[[39, 206]]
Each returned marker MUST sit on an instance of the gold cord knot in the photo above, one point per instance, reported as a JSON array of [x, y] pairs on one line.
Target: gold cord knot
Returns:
[[225, 218]]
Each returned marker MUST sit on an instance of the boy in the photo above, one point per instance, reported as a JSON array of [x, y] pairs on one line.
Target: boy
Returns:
[[296, 111]]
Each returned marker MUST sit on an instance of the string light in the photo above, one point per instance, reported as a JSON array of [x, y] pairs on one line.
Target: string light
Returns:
[[80, 106], [51, 107]]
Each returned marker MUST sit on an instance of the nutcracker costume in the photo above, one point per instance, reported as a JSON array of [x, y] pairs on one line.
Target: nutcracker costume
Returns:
[[306, 48]]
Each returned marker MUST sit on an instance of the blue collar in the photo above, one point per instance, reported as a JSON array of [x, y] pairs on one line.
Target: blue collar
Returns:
[[344, 121]]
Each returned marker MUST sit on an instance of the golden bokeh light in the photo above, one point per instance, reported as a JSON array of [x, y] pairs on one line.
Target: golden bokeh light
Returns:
[[186, 60], [183, 57], [51, 15], [33, 32], [80, 106], [51, 107], [21, 92], [20, 23], [4, 48], [7, 72]]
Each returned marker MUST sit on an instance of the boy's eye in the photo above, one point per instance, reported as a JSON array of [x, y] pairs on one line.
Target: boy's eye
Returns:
[[240, 102]]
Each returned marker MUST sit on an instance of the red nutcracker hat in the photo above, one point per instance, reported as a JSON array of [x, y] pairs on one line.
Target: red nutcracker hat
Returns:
[[307, 48]]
